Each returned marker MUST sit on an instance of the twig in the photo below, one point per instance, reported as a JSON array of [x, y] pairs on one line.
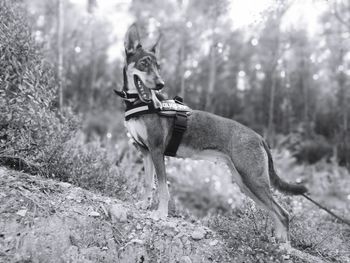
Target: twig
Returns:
[[120, 235], [345, 221], [325, 238]]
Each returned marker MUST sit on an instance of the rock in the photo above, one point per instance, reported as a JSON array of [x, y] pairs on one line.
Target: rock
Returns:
[[198, 234], [94, 214], [170, 228], [118, 213], [22, 212]]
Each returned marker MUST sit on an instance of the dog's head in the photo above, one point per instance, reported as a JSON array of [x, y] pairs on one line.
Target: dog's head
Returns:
[[142, 68]]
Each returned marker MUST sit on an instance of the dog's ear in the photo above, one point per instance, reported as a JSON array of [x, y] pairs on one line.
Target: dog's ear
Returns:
[[132, 40], [155, 46]]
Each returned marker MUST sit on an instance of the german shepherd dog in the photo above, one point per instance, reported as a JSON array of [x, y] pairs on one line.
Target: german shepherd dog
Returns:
[[207, 137]]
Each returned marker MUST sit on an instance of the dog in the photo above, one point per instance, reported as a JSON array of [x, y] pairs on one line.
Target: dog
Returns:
[[207, 137]]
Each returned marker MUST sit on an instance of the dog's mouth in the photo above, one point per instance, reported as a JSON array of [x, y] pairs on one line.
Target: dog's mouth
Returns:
[[144, 92]]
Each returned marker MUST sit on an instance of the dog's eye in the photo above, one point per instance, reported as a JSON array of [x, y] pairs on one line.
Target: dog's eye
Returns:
[[143, 64]]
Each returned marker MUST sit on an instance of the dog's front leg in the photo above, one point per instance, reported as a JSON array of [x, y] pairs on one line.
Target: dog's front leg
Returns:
[[163, 193], [146, 201]]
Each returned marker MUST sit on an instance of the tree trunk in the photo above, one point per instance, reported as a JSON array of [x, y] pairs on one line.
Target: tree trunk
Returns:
[[344, 115], [60, 28], [91, 4], [212, 78], [182, 66], [305, 88], [270, 126]]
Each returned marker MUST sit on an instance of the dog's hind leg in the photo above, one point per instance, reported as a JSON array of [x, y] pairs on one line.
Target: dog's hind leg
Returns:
[[255, 183], [163, 193]]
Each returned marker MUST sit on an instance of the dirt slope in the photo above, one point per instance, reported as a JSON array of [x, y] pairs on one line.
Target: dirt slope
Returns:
[[47, 221], [44, 220]]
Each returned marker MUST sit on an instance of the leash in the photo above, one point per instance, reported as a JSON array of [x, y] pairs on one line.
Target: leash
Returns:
[[344, 220]]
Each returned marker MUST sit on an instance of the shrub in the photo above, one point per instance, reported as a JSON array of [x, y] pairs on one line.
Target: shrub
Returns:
[[28, 119], [313, 150], [84, 164], [31, 127], [247, 235]]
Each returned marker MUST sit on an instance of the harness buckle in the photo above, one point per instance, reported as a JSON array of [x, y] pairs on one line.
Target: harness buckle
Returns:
[[179, 100]]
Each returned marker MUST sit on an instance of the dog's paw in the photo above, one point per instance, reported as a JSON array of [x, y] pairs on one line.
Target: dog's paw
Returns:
[[158, 215]]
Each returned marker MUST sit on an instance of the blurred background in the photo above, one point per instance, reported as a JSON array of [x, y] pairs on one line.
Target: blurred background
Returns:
[[279, 67]]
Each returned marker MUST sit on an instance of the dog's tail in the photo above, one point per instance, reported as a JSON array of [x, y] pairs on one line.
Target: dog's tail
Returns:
[[277, 182]]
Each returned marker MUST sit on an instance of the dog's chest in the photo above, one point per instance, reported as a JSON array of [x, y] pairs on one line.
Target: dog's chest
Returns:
[[137, 130]]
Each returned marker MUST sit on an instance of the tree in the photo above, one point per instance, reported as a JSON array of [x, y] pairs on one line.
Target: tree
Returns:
[[60, 31], [272, 51]]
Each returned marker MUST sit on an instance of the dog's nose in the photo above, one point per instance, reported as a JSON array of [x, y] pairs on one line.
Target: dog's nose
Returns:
[[160, 85]]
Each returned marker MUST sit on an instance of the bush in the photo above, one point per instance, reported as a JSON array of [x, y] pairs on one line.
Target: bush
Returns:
[[313, 150], [84, 164], [28, 119], [247, 235], [31, 127]]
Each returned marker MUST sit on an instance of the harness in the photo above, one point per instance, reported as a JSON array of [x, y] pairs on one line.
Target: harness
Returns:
[[174, 109]]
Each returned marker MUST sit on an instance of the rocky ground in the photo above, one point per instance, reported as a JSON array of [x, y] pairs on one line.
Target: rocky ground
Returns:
[[42, 220]]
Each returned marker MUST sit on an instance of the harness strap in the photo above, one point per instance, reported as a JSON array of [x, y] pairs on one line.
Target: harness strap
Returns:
[[180, 126], [170, 108], [126, 96], [139, 110]]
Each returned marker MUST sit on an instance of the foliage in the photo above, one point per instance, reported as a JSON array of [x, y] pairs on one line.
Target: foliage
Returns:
[[85, 164], [247, 236], [28, 119], [30, 124]]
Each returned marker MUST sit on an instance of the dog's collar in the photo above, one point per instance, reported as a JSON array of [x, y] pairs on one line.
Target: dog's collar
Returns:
[[127, 96]]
